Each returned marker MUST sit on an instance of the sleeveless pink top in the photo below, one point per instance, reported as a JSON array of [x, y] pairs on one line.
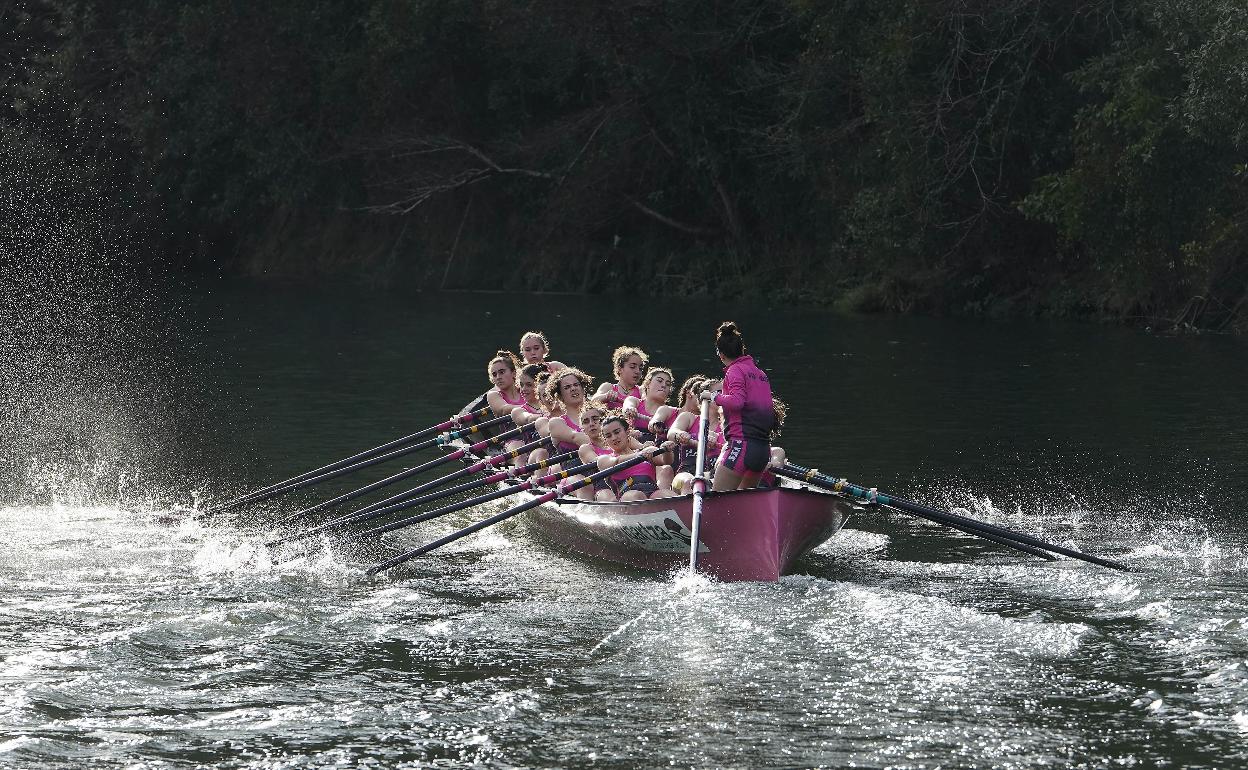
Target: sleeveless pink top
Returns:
[[564, 446], [518, 402], [643, 468], [615, 397], [643, 418]]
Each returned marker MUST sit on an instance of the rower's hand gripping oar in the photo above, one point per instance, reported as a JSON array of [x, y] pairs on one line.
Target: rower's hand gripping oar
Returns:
[[380, 459], [1001, 535], [362, 516], [440, 427], [699, 486], [507, 514], [364, 490]]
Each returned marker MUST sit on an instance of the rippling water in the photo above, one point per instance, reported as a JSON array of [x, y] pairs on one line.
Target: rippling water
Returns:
[[134, 636]]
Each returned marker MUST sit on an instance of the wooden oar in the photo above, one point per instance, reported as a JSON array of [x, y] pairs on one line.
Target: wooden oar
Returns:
[[699, 487], [391, 503], [359, 517], [364, 490], [1005, 537], [512, 473], [398, 442], [507, 514], [547, 480], [496, 460], [444, 439]]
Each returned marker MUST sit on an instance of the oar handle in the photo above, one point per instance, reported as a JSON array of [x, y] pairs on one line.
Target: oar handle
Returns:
[[944, 517], [492, 520]]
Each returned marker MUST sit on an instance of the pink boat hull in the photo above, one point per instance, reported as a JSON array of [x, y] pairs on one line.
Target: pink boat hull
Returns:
[[755, 534]]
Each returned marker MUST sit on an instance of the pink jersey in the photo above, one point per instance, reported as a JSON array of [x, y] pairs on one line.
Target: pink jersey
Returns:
[[714, 433], [746, 401], [642, 422], [644, 469], [518, 402], [564, 446], [616, 395]]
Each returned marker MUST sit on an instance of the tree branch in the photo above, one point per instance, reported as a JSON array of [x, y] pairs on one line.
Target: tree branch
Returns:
[[673, 223]]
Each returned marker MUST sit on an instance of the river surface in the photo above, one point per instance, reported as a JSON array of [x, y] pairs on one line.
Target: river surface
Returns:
[[133, 635]]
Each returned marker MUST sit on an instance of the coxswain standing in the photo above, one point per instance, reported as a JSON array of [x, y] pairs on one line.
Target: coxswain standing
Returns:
[[748, 417]]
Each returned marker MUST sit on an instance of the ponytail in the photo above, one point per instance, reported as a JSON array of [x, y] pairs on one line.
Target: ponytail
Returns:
[[728, 340], [507, 357]]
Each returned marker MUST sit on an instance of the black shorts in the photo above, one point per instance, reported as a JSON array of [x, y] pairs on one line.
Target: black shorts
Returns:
[[744, 456], [688, 460], [635, 484]]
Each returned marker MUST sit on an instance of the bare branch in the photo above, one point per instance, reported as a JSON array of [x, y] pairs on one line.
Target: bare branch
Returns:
[[673, 223]]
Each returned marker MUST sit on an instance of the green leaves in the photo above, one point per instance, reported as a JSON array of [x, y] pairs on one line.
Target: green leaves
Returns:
[[971, 155]]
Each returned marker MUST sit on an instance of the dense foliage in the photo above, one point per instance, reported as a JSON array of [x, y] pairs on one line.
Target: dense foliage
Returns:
[[1064, 156]]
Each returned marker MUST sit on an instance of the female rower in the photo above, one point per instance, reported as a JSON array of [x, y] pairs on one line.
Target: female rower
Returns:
[[505, 395], [567, 386], [548, 409], [629, 365], [529, 411], [638, 482], [748, 418], [684, 432], [778, 456], [535, 348], [686, 401], [591, 425], [657, 388]]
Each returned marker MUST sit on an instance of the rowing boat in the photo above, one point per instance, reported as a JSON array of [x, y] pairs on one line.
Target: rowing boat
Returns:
[[745, 535]]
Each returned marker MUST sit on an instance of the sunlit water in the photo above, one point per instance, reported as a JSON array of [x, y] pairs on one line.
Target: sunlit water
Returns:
[[134, 636]]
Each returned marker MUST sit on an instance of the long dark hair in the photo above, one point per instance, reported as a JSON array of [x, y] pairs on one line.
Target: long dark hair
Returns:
[[728, 340]]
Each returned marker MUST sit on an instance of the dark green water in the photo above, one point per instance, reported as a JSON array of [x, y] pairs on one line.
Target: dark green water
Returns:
[[130, 639]]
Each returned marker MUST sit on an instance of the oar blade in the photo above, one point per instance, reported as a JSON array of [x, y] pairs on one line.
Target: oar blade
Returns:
[[1010, 538]]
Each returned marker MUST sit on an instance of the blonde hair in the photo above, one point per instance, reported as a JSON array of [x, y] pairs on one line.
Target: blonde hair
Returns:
[[623, 353], [779, 410], [539, 336], [650, 373]]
